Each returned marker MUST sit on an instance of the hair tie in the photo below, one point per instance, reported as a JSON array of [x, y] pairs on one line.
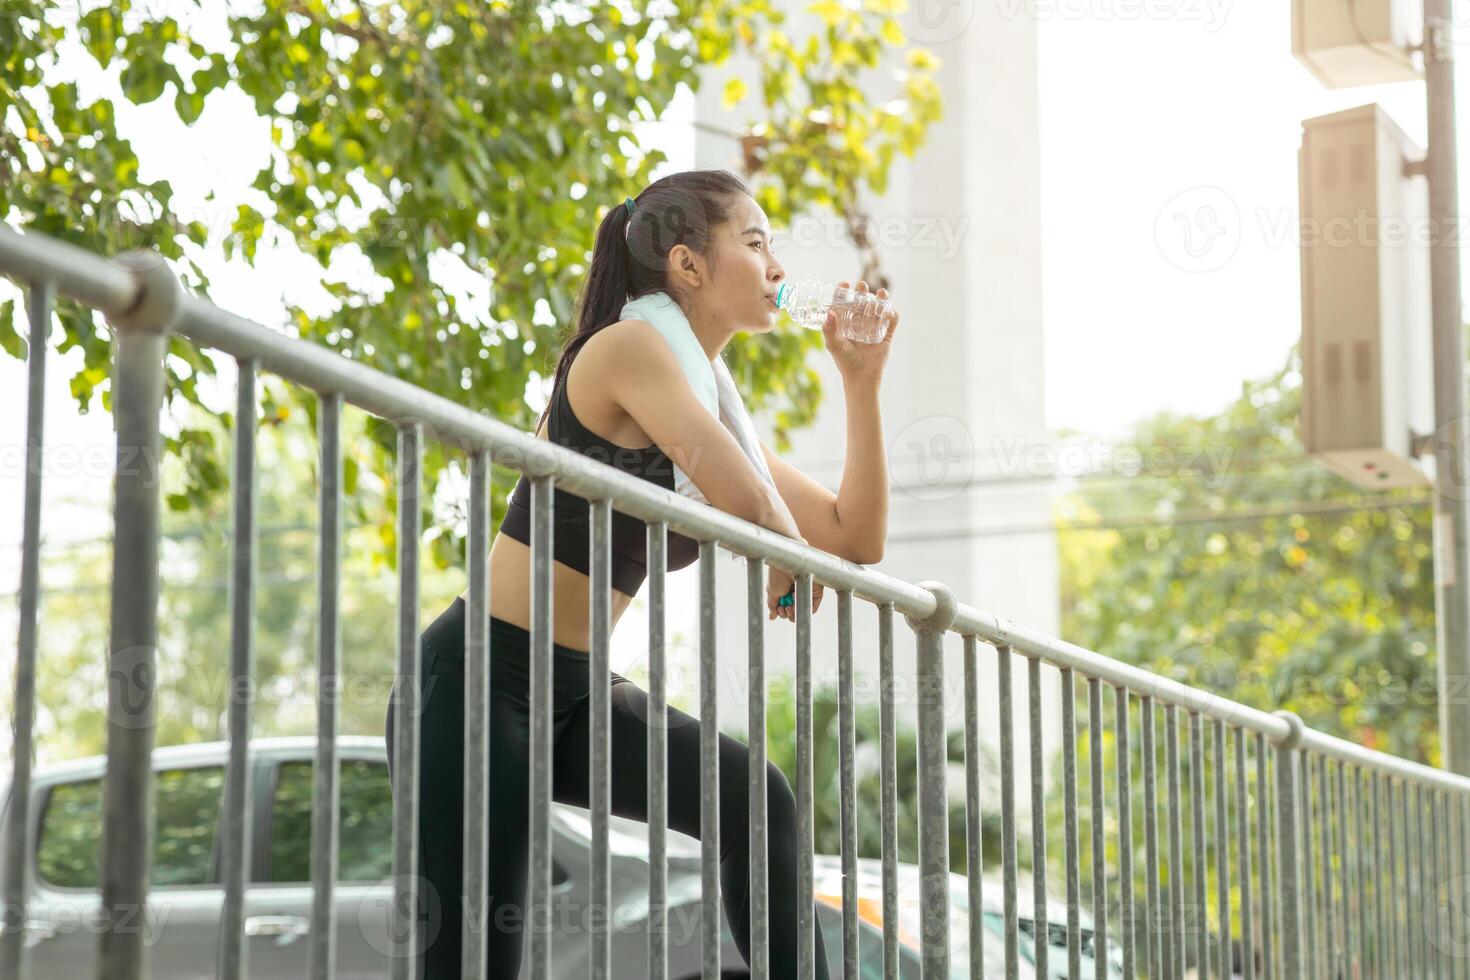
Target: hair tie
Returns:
[[628, 203]]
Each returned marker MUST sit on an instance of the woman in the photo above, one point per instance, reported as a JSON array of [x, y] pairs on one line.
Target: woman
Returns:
[[697, 239]]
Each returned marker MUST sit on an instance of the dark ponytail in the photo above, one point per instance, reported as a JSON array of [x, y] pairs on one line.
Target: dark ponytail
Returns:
[[630, 256]]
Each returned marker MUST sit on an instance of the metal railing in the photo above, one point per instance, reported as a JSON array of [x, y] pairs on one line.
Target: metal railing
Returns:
[[1327, 859]]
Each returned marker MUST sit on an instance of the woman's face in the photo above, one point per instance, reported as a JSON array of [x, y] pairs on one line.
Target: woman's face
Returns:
[[746, 274]]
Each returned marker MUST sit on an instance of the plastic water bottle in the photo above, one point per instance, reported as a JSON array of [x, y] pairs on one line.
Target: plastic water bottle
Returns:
[[861, 316]]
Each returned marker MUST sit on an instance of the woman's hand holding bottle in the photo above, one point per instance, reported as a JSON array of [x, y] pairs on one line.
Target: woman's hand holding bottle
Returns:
[[861, 359]]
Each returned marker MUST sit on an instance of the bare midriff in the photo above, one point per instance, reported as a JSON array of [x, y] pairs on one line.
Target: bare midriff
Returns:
[[510, 560], [510, 595]]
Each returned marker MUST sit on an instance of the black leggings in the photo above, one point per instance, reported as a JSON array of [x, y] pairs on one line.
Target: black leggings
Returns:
[[441, 794]]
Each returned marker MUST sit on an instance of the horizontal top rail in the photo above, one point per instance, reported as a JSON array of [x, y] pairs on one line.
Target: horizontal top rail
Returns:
[[98, 282]]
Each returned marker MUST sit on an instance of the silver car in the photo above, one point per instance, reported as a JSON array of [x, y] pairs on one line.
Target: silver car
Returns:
[[181, 924]]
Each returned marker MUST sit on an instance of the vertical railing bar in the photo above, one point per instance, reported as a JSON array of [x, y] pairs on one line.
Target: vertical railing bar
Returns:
[[18, 852], [407, 898], [1437, 832], [1008, 811], [1381, 937], [542, 600], [1243, 846], [656, 535], [933, 804], [1099, 841], [1350, 895], [476, 724], [1432, 865], [1263, 856], [234, 818], [1461, 829], [888, 763], [1427, 876], [1445, 844], [1069, 820], [755, 631], [1038, 817], [1333, 941], [128, 790], [1273, 866], [1222, 849], [709, 760], [974, 842], [1127, 913], [806, 955], [1151, 944], [1415, 804], [847, 777], [1200, 916], [1290, 882], [1174, 945], [1448, 869], [1399, 830], [1309, 878], [1406, 863], [326, 780], [599, 703], [1357, 836]]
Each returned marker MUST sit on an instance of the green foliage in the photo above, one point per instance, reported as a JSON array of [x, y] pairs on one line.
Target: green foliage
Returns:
[[194, 607], [483, 137], [826, 777], [1237, 564]]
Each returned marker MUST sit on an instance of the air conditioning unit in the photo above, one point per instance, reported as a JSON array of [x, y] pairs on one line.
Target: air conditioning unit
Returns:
[[1367, 354], [1357, 42]]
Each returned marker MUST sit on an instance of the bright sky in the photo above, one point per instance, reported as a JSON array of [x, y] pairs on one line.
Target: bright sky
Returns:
[[1143, 120]]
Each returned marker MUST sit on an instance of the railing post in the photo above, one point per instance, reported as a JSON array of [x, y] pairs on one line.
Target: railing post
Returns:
[[933, 802], [17, 852], [127, 790], [234, 829], [1286, 843]]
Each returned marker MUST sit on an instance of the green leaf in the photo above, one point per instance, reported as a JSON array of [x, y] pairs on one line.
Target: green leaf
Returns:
[[10, 340], [734, 92], [99, 30], [189, 106]]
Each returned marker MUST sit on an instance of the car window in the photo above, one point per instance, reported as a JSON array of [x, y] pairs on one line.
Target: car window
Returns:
[[186, 813], [365, 834], [870, 948]]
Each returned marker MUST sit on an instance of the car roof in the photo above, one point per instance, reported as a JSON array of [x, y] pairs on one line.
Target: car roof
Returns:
[[203, 753], [992, 889]]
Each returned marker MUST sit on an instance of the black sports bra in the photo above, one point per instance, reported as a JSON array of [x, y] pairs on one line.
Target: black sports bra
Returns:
[[571, 532]]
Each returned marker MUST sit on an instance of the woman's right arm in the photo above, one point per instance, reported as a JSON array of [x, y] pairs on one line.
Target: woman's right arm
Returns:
[[647, 382]]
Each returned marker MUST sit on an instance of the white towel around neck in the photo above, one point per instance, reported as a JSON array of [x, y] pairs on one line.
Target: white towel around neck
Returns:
[[711, 382]]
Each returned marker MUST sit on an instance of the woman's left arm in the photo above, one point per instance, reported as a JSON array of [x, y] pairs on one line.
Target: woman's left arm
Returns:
[[852, 523]]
